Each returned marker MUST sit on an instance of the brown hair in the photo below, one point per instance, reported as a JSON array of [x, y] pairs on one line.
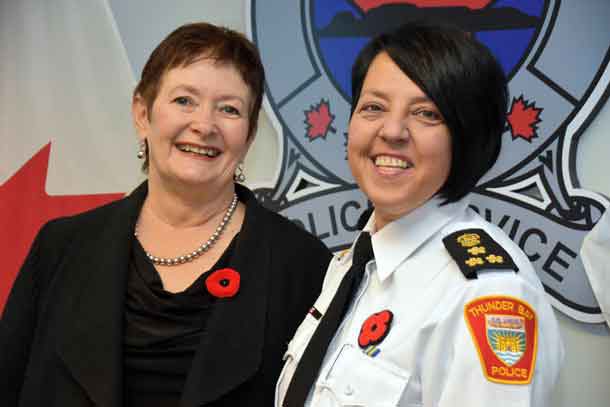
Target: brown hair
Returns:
[[191, 42]]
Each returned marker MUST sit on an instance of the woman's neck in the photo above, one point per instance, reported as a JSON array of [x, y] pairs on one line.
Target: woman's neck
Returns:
[[185, 207]]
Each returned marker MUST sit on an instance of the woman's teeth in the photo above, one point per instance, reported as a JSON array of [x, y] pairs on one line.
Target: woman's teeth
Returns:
[[208, 152], [385, 161]]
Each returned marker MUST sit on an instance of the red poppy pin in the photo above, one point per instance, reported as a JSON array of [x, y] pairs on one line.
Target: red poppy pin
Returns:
[[223, 283], [375, 328]]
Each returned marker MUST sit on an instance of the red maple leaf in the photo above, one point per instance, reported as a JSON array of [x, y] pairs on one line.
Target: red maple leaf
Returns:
[[523, 118], [25, 207], [318, 120], [366, 5]]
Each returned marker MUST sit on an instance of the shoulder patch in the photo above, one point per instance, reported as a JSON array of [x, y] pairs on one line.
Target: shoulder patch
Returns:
[[474, 250], [504, 332]]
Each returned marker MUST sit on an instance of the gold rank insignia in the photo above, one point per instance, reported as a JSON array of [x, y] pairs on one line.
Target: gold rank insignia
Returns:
[[469, 239], [474, 250]]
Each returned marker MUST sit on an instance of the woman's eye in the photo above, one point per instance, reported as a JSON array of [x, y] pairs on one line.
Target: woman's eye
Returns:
[[429, 115], [183, 101], [371, 108], [230, 110]]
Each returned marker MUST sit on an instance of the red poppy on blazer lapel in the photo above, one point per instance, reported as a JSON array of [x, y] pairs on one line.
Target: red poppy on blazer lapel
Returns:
[[223, 283]]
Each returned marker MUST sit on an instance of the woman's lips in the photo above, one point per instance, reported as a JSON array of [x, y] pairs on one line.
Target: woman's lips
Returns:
[[391, 162], [209, 152]]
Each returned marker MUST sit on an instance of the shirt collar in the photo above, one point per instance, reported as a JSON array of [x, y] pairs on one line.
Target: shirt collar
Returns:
[[399, 239]]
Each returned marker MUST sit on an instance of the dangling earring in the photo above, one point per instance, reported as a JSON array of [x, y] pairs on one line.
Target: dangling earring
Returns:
[[142, 150], [239, 173]]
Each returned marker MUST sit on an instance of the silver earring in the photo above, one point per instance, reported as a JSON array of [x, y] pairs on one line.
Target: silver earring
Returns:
[[142, 150], [239, 173]]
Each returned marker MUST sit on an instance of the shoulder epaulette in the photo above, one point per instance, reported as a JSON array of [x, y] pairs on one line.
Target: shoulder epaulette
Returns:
[[474, 250]]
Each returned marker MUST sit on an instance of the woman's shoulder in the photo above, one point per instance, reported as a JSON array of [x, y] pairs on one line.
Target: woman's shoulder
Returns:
[[91, 217], [488, 262], [488, 266], [481, 244], [119, 211], [280, 228], [61, 232]]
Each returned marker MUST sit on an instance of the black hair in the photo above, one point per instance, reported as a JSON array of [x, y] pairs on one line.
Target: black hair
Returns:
[[465, 82]]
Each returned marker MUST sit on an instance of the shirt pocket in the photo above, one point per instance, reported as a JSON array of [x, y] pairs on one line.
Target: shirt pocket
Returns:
[[356, 379], [293, 354]]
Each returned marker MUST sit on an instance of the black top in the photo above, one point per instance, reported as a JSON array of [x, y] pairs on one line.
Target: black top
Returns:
[[162, 331]]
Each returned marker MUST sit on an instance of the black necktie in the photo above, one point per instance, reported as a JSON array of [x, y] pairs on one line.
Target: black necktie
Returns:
[[309, 365]]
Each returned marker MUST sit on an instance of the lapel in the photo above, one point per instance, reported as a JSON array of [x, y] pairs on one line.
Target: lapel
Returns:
[[232, 353], [92, 337]]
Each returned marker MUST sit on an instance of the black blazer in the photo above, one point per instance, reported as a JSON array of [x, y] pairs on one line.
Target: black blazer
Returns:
[[61, 331]]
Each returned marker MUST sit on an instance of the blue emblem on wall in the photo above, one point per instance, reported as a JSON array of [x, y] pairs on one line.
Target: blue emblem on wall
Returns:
[[559, 78]]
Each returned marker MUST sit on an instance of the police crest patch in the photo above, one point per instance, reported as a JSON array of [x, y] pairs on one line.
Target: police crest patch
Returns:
[[504, 332]]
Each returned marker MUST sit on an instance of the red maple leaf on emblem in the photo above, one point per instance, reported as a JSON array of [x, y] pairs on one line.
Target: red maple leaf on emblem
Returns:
[[523, 118], [318, 120]]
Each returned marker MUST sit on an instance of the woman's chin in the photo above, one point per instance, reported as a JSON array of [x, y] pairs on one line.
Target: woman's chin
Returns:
[[194, 181]]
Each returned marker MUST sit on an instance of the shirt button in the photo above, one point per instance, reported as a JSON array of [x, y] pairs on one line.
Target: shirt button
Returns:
[[349, 390]]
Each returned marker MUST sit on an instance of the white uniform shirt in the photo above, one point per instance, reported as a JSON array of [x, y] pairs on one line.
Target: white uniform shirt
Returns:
[[429, 356]]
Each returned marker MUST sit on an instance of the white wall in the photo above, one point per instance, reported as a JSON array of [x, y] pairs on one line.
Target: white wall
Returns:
[[584, 380]]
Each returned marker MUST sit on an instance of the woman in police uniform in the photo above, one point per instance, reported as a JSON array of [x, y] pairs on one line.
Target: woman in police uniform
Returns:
[[449, 312]]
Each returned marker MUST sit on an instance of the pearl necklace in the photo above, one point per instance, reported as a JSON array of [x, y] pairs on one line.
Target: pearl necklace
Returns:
[[163, 261]]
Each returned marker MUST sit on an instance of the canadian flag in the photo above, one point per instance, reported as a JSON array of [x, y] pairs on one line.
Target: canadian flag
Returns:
[[67, 140]]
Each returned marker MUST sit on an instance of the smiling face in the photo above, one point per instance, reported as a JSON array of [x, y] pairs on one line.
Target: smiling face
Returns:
[[399, 148], [197, 128]]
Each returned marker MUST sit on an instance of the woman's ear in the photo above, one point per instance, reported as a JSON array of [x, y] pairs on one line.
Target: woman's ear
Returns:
[[140, 116]]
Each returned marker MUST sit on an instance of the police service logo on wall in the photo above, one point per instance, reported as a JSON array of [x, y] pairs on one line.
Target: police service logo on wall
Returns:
[[559, 79]]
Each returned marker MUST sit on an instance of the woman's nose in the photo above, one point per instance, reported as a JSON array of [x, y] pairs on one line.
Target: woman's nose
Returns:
[[394, 130], [203, 121]]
